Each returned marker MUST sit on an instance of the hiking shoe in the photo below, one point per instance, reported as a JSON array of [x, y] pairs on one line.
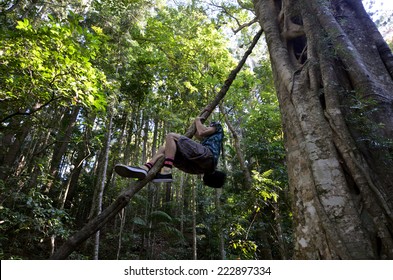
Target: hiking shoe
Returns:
[[163, 178], [130, 171]]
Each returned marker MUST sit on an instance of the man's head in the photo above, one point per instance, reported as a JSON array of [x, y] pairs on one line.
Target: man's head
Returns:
[[215, 179], [214, 123]]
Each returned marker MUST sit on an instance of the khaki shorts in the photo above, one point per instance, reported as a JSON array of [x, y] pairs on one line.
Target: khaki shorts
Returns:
[[192, 157]]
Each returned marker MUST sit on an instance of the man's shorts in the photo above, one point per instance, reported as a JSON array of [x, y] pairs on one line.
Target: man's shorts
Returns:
[[192, 157]]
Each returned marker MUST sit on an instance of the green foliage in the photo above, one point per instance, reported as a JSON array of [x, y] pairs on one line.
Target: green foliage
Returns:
[[253, 218], [50, 63], [35, 220], [361, 111], [160, 217], [360, 114], [192, 58], [244, 248], [265, 186]]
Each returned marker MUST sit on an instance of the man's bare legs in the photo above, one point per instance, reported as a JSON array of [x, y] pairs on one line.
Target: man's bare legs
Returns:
[[168, 150]]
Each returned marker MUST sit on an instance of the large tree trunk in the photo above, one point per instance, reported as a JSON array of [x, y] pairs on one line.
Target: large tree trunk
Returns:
[[333, 77]]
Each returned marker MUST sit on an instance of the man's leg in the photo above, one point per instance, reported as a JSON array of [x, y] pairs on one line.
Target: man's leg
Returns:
[[139, 172], [148, 165], [165, 174], [168, 150]]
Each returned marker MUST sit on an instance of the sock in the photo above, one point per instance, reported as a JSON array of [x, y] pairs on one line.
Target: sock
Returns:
[[147, 166], [168, 164]]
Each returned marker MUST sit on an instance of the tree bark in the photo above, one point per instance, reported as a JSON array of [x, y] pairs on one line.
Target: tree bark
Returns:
[[12, 147], [99, 191], [122, 216], [194, 223], [325, 58], [220, 215], [71, 185], [59, 149]]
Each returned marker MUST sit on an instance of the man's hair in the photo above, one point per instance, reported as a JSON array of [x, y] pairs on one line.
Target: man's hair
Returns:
[[215, 179], [214, 123]]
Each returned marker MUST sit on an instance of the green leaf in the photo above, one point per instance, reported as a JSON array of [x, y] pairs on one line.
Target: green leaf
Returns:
[[139, 221], [160, 216], [23, 25]]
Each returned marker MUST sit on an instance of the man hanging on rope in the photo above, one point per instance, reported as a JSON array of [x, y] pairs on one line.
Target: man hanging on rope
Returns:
[[187, 155]]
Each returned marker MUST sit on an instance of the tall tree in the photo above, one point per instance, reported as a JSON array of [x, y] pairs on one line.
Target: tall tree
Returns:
[[96, 208], [239, 154], [333, 75]]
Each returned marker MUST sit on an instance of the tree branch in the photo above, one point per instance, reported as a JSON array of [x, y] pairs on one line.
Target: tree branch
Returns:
[[27, 113], [245, 25], [10, 9], [228, 13], [224, 89], [108, 213]]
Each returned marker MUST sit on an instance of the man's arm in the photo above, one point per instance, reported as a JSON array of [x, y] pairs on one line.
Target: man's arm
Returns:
[[202, 130]]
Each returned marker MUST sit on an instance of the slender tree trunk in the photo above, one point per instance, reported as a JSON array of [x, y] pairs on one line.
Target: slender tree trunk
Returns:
[[168, 197], [152, 195], [122, 216], [239, 154], [328, 61], [183, 180], [145, 138], [71, 184], [11, 148], [99, 191], [194, 223], [151, 203], [127, 151], [66, 126], [138, 138], [218, 193]]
